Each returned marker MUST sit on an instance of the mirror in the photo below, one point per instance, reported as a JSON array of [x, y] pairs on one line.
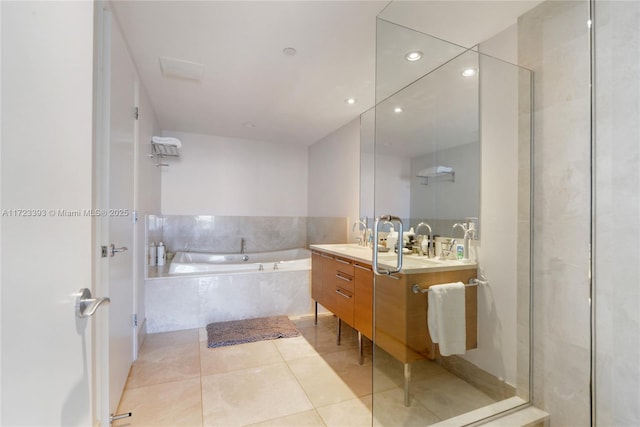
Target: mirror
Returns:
[[428, 139]]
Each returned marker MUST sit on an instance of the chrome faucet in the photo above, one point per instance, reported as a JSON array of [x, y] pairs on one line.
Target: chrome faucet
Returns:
[[362, 240], [430, 242], [243, 244]]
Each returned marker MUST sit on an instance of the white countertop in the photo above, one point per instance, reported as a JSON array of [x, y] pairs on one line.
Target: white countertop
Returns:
[[411, 264]]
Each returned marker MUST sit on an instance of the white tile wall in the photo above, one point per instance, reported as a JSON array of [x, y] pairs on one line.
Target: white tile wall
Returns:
[[554, 42]]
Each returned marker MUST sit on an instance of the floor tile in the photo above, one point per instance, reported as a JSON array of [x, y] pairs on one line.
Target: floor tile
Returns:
[[234, 357], [302, 419], [302, 381], [251, 395], [359, 378], [320, 382], [389, 410], [166, 357], [169, 404], [352, 413], [294, 348], [447, 395]]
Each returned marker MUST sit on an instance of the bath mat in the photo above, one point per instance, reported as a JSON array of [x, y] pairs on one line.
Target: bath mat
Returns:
[[250, 330]]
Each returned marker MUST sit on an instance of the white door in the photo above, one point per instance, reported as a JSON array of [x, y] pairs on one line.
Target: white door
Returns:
[[116, 195], [46, 240]]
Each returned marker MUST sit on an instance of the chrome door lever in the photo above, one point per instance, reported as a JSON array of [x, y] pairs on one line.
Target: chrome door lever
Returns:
[[87, 306], [113, 250]]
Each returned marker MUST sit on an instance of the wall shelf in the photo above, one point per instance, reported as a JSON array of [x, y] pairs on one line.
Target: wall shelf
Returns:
[[436, 175], [161, 151]]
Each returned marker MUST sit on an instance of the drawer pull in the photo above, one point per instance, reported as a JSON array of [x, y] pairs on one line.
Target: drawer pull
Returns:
[[343, 261], [338, 291], [362, 268], [346, 279], [326, 256]]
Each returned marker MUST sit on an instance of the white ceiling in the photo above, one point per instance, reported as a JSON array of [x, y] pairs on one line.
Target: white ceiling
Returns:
[[247, 77]]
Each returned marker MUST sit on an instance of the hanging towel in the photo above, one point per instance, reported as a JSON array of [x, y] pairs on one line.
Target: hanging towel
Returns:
[[166, 140], [446, 317]]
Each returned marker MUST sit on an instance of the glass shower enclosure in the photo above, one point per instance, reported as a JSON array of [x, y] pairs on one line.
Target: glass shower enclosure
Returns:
[[447, 148]]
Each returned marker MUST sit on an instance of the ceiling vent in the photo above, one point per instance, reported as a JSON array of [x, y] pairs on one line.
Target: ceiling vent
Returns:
[[172, 67]]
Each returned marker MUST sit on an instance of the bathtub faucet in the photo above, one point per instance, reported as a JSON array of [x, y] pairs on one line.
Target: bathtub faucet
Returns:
[[243, 244]]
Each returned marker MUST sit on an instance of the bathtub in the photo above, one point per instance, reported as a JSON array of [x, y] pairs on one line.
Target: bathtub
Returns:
[[212, 263], [202, 288]]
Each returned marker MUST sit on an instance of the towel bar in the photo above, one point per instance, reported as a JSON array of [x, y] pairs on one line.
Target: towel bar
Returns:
[[416, 289]]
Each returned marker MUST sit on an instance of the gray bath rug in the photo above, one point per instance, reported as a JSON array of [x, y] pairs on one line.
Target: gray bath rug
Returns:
[[250, 330]]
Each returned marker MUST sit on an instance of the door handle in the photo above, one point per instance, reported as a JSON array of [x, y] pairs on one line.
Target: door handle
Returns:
[[113, 250], [87, 306], [385, 218]]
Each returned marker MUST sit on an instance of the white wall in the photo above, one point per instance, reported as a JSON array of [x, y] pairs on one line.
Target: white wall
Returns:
[[334, 173], [228, 176], [47, 133]]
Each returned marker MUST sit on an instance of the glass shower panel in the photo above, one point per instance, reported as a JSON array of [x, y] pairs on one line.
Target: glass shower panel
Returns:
[[451, 147]]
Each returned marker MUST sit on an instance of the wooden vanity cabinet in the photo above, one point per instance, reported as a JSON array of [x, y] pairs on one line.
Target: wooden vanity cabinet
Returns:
[[332, 284], [401, 315], [345, 287], [363, 299]]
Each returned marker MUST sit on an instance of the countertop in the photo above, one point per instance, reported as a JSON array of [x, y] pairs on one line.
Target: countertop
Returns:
[[411, 264]]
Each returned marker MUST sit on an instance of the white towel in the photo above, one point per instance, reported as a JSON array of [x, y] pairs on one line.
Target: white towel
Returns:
[[446, 318], [166, 140], [435, 171]]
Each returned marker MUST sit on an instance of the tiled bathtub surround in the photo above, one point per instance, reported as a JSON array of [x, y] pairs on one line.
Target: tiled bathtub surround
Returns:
[[207, 233], [222, 234], [183, 302], [176, 303]]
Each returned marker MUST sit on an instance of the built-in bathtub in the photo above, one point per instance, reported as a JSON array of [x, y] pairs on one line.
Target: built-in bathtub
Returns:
[[198, 262], [198, 288]]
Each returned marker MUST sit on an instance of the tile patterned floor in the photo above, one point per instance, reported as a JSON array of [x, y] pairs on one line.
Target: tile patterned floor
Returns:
[[302, 381]]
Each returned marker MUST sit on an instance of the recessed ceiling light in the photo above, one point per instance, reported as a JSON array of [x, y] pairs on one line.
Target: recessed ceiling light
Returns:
[[350, 101], [413, 56], [289, 51], [397, 110], [469, 72]]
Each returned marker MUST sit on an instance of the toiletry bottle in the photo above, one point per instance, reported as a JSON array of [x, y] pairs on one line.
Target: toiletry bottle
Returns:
[[162, 256], [459, 252], [153, 254], [424, 246], [392, 239]]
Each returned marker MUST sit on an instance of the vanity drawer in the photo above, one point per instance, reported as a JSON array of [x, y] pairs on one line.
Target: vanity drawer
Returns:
[[344, 266], [343, 304], [343, 275]]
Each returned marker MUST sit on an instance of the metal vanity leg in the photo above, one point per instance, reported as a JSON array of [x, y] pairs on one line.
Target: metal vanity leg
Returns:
[[315, 320], [339, 331], [407, 383], [360, 350]]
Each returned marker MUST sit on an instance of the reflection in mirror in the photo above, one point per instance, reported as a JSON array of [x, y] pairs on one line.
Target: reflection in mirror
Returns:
[[432, 128]]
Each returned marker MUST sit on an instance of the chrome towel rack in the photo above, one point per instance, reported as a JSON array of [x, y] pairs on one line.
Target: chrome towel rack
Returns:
[[417, 289]]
